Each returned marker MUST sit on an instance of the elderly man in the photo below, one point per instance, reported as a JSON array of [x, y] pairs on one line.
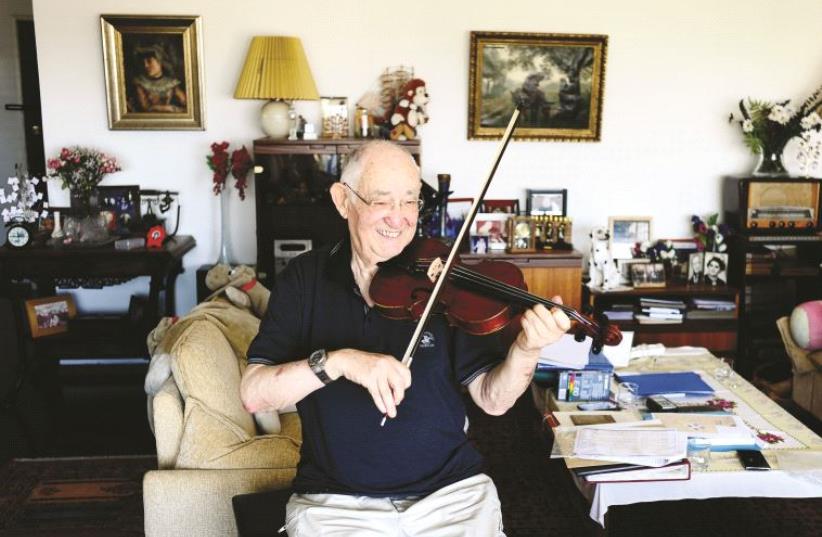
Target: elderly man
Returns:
[[323, 347]]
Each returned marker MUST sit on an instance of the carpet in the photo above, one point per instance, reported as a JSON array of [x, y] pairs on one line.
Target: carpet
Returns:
[[89, 496]]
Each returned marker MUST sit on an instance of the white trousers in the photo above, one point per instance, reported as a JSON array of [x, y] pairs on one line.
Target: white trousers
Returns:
[[466, 508]]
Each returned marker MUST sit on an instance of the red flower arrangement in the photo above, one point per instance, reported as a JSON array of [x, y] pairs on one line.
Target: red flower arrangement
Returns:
[[238, 164]]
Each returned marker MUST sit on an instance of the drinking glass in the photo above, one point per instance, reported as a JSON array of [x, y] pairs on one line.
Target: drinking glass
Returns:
[[722, 372], [627, 395], [699, 454]]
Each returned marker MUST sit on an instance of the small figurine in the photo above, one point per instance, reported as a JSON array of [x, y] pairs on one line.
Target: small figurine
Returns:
[[409, 112]]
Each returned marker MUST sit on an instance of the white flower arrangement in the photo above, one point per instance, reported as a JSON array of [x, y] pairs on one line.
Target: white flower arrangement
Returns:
[[22, 198]]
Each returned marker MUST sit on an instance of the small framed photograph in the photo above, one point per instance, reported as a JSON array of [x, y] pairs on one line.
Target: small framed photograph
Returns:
[[546, 202], [624, 267], [500, 206], [648, 274], [521, 235], [153, 72], [716, 268], [479, 244], [50, 315], [494, 226], [625, 232], [121, 207], [335, 117], [696, 267], [456, 212]]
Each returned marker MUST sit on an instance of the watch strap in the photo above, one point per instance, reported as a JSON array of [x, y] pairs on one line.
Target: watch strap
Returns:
[[317, 364]]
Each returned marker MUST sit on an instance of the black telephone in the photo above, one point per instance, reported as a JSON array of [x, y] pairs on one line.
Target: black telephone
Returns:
[[753, 459]]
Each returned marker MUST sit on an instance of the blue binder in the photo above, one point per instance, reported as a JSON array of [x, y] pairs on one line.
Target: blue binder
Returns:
[[685, 383]]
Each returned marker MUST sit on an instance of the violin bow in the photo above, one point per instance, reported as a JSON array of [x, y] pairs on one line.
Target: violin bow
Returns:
[[408, 357]]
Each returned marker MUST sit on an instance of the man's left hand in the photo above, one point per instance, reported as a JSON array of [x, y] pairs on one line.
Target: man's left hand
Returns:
[[541, 327]]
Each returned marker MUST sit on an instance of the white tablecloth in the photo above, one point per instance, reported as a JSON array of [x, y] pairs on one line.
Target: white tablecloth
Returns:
[[751, 484]]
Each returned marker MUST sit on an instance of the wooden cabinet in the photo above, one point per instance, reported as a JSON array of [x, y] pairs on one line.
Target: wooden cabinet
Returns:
[[291, 183], [717, 335], [773, 273], [546, 274]]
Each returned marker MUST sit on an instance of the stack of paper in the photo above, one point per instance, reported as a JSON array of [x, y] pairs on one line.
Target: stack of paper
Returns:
[[642, 446], [723, 433]]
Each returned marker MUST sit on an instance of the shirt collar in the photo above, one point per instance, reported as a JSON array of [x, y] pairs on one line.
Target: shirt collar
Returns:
[[339, 263]]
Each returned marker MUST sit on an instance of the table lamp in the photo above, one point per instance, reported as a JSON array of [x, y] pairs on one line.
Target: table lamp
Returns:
[[275, 68]]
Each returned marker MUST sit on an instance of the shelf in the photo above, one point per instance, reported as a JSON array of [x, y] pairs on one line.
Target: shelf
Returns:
[[97, 336], [701, 325], [672, 290]]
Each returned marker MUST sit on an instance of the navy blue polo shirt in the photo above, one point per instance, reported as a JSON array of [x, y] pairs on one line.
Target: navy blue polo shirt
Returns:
[[315, 304]]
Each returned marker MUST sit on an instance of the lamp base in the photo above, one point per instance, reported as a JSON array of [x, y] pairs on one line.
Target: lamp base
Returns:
[[274, 119]]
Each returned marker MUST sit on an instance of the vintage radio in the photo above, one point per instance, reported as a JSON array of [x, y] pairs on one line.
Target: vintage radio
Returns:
[[772, 205]]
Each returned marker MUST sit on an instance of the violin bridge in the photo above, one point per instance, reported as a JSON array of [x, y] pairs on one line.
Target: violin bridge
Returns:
[[434, 269]]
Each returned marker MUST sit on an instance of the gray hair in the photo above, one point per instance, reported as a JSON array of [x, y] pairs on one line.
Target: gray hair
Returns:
[[357, 159]]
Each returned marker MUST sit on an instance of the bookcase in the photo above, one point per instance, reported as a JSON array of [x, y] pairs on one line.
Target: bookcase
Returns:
[[774, 273], [719, 336]]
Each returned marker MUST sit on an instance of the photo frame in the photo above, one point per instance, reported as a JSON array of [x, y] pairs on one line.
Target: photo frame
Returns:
[[456, 211], [715, 269], [696, 268], [521, 235], [121, 207], [648, 275], [334, 117], [50, 315], [546, 202], [625, 232], [153, 72], [624, 268], [557, 79], [499, 206], [494, 226]]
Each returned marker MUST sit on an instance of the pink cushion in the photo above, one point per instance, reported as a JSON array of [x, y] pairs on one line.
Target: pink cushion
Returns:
[[806, 325]]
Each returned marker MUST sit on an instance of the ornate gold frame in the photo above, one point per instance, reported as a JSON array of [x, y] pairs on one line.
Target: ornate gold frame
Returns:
[[189, 27], [480, 40]]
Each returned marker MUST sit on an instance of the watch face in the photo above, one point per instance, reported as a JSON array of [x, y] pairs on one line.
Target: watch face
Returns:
[[18, 236]]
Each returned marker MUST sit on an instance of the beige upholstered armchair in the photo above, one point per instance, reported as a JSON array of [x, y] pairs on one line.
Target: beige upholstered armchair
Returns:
[[807, 371], [209, 448]]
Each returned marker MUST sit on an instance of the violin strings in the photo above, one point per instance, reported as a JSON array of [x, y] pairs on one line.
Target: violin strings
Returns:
[[514, 292]]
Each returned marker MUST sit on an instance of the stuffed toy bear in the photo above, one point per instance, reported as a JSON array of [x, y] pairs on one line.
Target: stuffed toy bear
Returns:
[[409, 113], [241, 287], [601, 267]]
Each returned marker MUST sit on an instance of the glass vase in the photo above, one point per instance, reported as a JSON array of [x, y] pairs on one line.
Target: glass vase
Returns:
[[226, 256], [770, 164]]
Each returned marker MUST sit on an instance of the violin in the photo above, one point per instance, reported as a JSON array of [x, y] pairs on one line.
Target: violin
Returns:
[[481, 298]]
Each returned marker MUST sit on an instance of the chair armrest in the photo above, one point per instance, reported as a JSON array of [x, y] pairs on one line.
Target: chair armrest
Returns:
[[167, 410], [799, 356], [198, 502]]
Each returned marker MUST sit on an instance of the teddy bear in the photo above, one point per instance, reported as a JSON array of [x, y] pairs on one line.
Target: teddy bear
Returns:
[[601, 267], [409, 113], [240, 286]]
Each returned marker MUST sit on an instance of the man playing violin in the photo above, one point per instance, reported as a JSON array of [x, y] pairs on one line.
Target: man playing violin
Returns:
[[324, 348]]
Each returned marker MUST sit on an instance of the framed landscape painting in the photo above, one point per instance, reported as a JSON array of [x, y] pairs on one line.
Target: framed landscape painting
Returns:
[[556, 79], [153, 72]]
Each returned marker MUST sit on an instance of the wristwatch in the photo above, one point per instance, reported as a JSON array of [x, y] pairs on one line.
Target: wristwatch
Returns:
[[316, 361]]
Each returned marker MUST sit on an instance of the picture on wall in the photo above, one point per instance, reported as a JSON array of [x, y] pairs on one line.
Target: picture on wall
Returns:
[[557, 81], [153, 72], [546, 202]]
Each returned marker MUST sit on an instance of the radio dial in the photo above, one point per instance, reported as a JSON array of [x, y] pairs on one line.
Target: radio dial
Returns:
[[791, 224], [771, 224], [754, 224], [809, 224], [781, 223]]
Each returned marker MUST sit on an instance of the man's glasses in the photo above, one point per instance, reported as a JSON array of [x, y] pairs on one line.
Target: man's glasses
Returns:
[[385, 205]]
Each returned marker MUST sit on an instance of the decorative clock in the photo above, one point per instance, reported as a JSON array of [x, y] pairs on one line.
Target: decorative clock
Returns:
[[18, 235]]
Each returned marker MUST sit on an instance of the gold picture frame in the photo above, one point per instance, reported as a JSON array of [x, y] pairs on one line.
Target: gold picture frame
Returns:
[[521, 235], [50, 315], [153, 72], [558, 79]]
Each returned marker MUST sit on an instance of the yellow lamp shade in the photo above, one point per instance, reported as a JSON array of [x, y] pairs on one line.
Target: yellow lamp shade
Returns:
[[276, 68]]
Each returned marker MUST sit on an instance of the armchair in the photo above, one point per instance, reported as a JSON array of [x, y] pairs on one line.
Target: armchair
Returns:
[[807, 371], [209, 448]]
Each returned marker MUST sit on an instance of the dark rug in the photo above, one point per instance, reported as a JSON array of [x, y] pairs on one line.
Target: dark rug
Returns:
[[538, 497], [89, 496]]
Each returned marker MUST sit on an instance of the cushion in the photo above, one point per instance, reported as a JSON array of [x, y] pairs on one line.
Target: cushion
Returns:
[[806, 325]]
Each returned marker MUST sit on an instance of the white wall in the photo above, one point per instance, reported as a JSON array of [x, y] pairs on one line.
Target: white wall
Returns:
[[674, 73], [12, 139]]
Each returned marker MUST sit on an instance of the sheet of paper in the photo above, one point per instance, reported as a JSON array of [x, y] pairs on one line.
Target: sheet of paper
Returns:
[[652, 447], [567, 352]]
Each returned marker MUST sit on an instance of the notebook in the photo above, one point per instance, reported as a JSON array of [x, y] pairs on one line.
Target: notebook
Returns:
[[680, 383]]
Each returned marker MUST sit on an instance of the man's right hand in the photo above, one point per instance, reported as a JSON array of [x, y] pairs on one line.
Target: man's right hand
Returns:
[[385, 377]]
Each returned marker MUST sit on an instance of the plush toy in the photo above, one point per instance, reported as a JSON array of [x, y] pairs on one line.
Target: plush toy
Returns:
[[806, 325], [240, 286], [409, 113], [601, 267]]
